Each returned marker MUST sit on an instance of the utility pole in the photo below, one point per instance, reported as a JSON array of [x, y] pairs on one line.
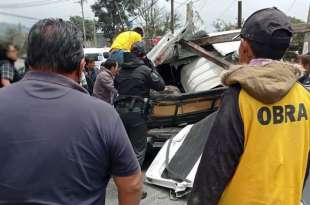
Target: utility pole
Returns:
[[84, 30], [95, 33], [239, 14], [307, 37], [172, 17]]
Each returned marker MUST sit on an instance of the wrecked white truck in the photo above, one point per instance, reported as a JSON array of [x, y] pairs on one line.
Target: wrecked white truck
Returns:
[[194, 89], [179, 119]]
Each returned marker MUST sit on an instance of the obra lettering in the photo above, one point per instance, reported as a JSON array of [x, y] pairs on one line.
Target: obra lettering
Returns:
[[282, 114]]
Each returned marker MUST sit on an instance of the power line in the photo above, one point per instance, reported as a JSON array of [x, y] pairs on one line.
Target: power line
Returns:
[[18, 16], [292, 6], [30, 4]]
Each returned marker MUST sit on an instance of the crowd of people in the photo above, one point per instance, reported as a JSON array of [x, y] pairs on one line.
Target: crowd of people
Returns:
[[68, 127], [125, 81]]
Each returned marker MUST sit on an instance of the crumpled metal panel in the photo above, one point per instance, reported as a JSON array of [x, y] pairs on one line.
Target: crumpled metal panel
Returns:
[[200, 75], [154, 172], [226, 48]]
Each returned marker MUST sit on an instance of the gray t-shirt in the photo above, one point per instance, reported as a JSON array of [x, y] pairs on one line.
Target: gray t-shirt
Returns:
[[59, 145]]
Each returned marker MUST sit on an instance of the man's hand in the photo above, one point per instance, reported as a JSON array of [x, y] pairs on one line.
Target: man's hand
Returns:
[[5, 82], [129, 188]]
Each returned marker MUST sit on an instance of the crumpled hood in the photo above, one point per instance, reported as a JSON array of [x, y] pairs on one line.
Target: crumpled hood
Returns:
[[267, 83]]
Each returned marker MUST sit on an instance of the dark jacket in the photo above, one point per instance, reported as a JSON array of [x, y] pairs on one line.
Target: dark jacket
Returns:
[[136, 79], [90, 76], [257, 150], [305, 79], [104, 86]]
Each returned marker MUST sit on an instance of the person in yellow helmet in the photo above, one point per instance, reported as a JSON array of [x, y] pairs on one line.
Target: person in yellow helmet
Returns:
[[124, 42], [257, 151]]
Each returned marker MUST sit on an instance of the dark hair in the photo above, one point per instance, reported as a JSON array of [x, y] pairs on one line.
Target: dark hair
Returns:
[[56, 45], [109, 63], [89, 60], [139, 30], [138, 49], [305, 59], [270, 50], [4, 48]]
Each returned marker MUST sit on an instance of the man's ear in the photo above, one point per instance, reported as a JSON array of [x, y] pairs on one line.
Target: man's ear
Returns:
[[82, 64], [245, 52], [78, 74]]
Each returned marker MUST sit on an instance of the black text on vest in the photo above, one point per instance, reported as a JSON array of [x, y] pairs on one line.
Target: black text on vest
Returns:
[[282, 114]]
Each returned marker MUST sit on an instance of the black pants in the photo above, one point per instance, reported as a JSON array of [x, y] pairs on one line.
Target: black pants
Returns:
[[136, 128]]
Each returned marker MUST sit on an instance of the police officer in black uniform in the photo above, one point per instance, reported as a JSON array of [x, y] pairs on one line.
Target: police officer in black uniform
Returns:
[[133, 84]]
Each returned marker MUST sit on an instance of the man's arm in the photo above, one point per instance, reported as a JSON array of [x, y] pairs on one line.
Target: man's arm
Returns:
[[125, 167], [155, 81], [129, 189], [107, 82], [7, 74], [5, 82], [222, 153], [104, 88]]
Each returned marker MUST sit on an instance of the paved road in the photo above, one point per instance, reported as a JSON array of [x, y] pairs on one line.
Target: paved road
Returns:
[[160, 196], [155, 195]]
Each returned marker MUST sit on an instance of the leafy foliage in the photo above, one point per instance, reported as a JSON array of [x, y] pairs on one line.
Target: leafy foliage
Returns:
[[155, 19], [221, 25], [114, 15], [298, 39], [89, 26]]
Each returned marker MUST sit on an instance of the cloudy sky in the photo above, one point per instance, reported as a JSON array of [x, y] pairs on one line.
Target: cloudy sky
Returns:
[[209, 10]]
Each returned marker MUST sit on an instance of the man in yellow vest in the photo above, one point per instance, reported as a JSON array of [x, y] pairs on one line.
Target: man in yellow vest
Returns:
[[123, 43], [257, 151]]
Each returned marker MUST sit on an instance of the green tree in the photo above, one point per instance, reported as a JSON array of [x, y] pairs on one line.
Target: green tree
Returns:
[[298, 39], [15, 35], [155, 19], [220, 25], [89, 26], [114, 15]]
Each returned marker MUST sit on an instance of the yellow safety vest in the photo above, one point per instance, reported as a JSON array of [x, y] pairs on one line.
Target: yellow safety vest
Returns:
[[272, 167], [124, 41]]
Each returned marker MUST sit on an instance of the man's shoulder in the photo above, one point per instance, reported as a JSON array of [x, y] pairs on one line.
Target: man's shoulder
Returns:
[[5, 64], [144, 68], [93, 108], [232, 91], [94, 103], [11, 90], [104, 73]]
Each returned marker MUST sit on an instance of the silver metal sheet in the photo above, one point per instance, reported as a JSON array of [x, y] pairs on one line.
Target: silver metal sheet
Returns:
[[200, 75], [226, 48], [154, 172]]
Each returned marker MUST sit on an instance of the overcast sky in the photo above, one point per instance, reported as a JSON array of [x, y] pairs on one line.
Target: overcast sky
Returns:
[[209, 10]]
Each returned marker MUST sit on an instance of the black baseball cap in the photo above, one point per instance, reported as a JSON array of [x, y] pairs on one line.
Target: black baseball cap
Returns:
[[139, 48], [262, 27]]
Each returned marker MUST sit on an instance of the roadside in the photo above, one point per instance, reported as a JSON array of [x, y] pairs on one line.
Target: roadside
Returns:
[[155, 195]]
